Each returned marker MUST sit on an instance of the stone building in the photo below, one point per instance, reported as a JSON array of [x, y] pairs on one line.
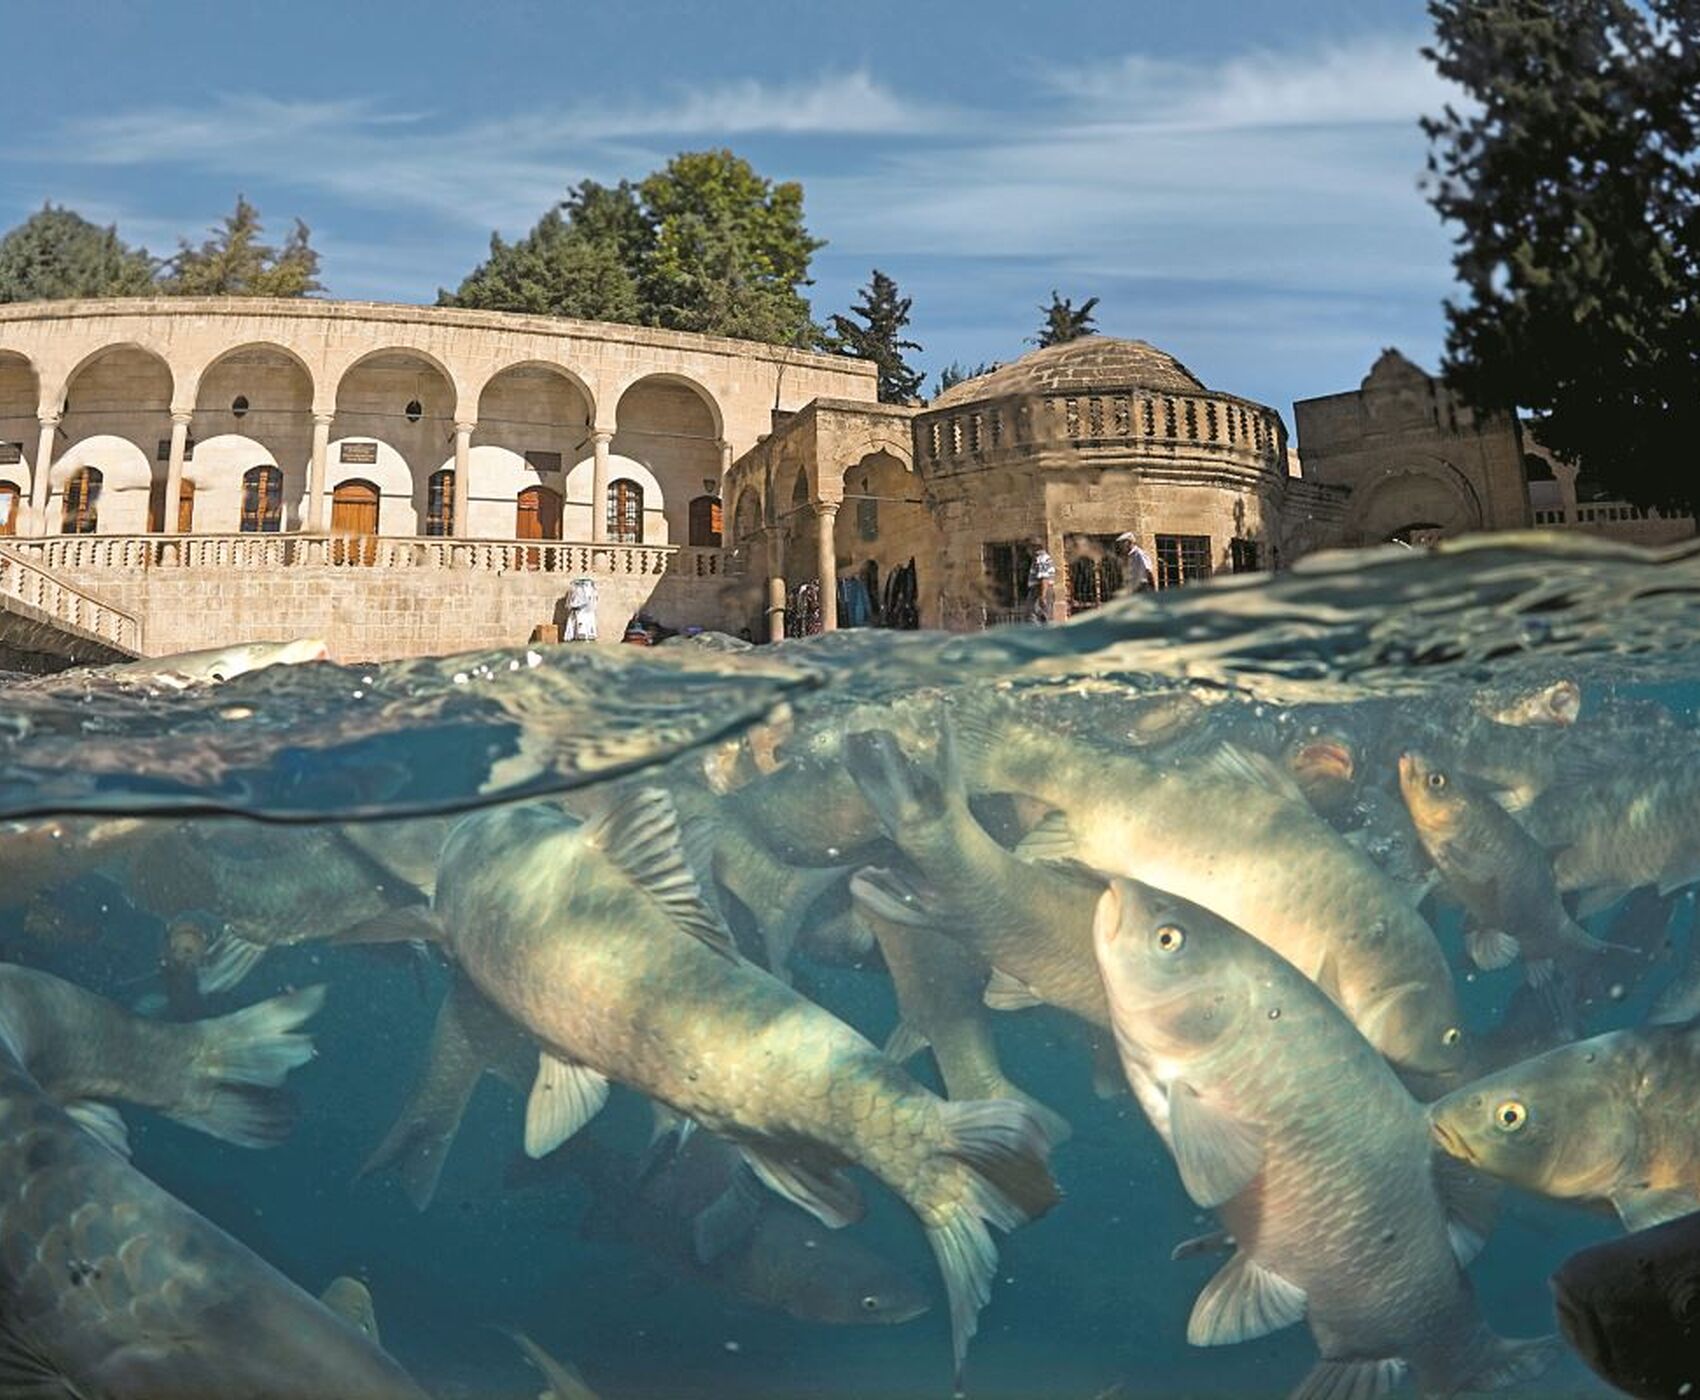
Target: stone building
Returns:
[[1069, 445]]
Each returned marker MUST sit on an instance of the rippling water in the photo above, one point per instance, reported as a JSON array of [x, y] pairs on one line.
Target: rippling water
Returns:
[[189, 852]]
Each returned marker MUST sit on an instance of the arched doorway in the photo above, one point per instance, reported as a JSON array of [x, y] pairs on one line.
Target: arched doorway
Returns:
[[440, 503], [79, 509], [706, 522], [354, 523], [262, 501], [185, 507], [625, 512], [1421, 532], [9, 505], [537, 516]]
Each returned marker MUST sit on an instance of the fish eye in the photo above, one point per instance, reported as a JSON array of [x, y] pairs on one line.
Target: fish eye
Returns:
[[1437, 781], [1451, 1036], [1510, 1116], [869, 1303], [1170, 937], [1685, 1301]]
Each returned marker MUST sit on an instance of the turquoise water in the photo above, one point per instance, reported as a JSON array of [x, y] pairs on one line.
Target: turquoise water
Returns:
[[1379, 654]]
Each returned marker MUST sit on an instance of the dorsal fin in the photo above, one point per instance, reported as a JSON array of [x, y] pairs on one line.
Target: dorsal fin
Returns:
[[1051, 839], [1253, 769], [641, 835]]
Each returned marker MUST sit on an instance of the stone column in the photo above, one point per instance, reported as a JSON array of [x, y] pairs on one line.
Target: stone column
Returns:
[[39, 481], [318, 476], [174, 470], [463, 481], [826, 557], [725, 462], [775, 586], [599, 487]]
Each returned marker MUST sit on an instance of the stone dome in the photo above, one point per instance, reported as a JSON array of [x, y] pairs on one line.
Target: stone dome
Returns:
[[1088, 362]]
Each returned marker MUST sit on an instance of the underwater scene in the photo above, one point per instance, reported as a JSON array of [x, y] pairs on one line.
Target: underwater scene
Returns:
[[1279, 986]]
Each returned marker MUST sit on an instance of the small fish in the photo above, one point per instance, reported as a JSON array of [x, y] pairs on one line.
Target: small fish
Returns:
[[597, 940], [216, 664], [1615, 1118], [1556, 704], [1495, 869], [1631, 1309], [1283, 1119]]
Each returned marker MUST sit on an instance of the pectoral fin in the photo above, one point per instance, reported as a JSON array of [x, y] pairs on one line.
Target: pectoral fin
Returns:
[[641, 835], [821, 1189], [1006, 993], [1243, 1301], [1218, 1156], [564, 1098], [27, 1374], [104, 1121], [1491, 949], [1051, 839], [1641, 1208], [905, 1042]]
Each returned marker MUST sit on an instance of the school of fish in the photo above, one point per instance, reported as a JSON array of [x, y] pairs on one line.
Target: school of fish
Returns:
[[1256, 920]]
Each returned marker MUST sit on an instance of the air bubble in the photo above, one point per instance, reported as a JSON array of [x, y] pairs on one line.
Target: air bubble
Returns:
[[734, 1346], [1274, 1013], [1618, 991]]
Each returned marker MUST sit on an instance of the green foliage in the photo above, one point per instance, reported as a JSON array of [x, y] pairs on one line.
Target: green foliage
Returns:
[[1065, 321], [704, 244], [953, 374], [55, 254], [235, 263], [1571, 180], [879, 338]]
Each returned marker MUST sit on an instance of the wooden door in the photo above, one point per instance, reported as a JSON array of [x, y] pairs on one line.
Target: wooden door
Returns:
[[537, 517], [354, 523]]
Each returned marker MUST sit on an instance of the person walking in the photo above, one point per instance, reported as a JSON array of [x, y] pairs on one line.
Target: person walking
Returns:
[[1041, 584], [1138, 574]]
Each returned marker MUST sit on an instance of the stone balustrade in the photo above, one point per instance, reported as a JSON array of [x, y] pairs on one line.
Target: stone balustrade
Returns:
[[132, 554], [27, 581]]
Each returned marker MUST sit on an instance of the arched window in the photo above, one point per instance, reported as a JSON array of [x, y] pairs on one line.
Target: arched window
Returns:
[[262, 501], [9, 504], [440, 503], [625, 512], [185, 508], [239, 406], [79, 508], [354, 523], [706, 522]]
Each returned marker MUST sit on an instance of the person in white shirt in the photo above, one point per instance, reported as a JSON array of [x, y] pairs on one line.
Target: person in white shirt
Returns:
[[1041, 584], [1139, 576]]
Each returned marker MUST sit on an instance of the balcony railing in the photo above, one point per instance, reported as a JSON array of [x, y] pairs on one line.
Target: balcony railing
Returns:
[[27, 581], [78, 554]]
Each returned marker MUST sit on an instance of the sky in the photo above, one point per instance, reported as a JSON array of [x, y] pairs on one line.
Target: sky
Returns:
[[1236, 180]]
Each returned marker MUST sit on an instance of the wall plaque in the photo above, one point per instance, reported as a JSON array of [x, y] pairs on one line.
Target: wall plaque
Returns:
[[543, 461], [11, 453], [360, 454]]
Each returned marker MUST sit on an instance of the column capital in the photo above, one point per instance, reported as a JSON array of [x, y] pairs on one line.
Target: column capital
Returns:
[[323, 420], [602, 436], [827, 509], [468, 428], [181, 416], [50, 420]]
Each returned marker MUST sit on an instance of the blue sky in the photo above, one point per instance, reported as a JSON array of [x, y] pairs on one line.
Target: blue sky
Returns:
[[1236, 179]]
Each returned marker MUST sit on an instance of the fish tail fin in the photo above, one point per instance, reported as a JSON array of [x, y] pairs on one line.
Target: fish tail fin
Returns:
[[234, 1088], [998, 1151], [1500, 1363], [228, 959], [899, 793], [1350, 1379], [1056, 1128]]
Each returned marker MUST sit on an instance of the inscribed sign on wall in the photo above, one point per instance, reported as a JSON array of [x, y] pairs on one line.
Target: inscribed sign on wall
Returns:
[[360, 454]]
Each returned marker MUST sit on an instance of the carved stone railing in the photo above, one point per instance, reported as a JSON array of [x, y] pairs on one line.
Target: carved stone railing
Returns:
[[28, 582], [82, 554]]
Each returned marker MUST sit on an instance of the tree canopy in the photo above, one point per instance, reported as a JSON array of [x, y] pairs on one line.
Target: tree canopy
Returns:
[[704, 244], [954, 373], [235, 263], [1570, 179], [1065, 321], [55, 254], [879, 338]]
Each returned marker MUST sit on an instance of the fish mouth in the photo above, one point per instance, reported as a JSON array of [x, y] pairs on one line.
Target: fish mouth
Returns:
[[907, 1313], [1577, 1324], [1450, 1142], [1325, 758]]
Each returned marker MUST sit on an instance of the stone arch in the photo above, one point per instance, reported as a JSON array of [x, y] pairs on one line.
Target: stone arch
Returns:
[[1430, 494], [194, 380], [580, 488], [386, 355], [672, 426], [126, 482], [533, 428], [276, 389], [20, 432], [63, 385], [121, 393], [374, 398], [399, 486], [746, 517], [883, 521]]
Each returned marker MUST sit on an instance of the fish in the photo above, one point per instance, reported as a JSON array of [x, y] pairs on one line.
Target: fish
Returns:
[[597, 940], [351, 1300], [1630, 1308], [1234, 832], [940, 985], [696, 1210], [265, 886], [40, 854], [564, 1382], [216, 664], [1556, 704], [1284, 1120], [1613, 1119], [111, 1287], [1495, 869]]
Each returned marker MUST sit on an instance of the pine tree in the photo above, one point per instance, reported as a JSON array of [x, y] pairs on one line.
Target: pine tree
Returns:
[[1572, 180], [884, 315], [954, 373], [1064, 321], [235, 263], [55, 254]]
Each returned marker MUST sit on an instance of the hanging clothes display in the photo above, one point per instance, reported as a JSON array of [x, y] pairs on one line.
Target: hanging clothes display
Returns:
[[902, 599], [855, 608], [871, 581], [581, 611], [802, 610]]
